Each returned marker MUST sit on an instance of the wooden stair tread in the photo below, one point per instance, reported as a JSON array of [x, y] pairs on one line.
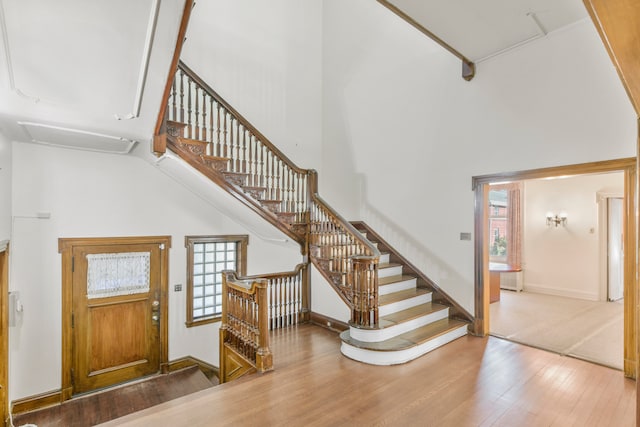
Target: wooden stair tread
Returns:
[[215, 158], [192, 141], [394, 279], [410, 314], [402, 295], [175, 124], [409, 339], [388, 265]]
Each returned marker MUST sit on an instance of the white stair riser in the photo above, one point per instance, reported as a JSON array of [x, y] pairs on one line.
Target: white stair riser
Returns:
[[401, 356], [384, 258], [374, 335], [397, 286], [383, 310], [390, 271]]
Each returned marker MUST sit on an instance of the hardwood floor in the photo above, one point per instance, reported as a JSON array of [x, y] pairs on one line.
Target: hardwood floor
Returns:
[[116, 402], [469, 382]]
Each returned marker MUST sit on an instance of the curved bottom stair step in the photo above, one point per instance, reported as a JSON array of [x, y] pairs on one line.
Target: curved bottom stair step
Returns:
[[405, 347]]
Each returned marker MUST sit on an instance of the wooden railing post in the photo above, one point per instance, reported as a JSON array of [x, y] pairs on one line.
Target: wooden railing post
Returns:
[[223, 332], [264, 359], [365, 291]]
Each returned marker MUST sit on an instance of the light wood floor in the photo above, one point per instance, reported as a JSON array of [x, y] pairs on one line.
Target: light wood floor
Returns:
[[470, 382], [589, 330]]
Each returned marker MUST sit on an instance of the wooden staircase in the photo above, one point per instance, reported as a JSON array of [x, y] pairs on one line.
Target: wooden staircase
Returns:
[[397, 313], [411, 322]]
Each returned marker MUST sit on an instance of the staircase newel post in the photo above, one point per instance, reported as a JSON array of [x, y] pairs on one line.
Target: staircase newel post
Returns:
[[223, 331], [306, 291], [365, 291], [264, 358]]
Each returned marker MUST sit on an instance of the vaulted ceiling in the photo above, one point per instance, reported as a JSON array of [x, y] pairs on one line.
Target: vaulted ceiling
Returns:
[[89, 74]]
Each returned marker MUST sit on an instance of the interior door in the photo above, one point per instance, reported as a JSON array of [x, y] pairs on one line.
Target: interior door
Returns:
[[615, 269], [116, 291]]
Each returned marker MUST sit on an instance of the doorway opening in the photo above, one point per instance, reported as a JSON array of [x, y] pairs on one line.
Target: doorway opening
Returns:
[[549, 230]]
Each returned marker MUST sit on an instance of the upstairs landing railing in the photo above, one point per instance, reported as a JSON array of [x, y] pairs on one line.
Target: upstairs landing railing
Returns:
[[244, 335], [216, 140]]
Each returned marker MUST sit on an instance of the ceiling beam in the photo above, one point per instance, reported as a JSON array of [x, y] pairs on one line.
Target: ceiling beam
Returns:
[[468, 67]]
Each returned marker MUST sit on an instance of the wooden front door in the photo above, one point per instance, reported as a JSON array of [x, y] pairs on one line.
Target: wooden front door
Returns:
[[117, 302]]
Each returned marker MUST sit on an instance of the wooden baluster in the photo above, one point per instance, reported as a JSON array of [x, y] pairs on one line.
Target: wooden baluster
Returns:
[[237, 166], [225, 136], [211, 126], [267, 173], [290, 300], [282, 315], [262, 167], [274, 176], [244, 150], [218, 131], [203, 131], [174, 101], [196, 125], [289, 188], [252, 169], [189, 108], [182, 117], [232, 142], [301, 193]]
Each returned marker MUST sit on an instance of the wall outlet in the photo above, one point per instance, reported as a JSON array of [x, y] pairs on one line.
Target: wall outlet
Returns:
[[177, 288], [465, 236]]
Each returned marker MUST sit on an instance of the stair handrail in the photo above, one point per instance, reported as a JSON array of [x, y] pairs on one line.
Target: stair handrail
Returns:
[[297, 306], [219, 133], [356, 281], [245, 122]]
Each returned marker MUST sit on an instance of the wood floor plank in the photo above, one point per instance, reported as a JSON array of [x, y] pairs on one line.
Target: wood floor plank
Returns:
[[469, 382]]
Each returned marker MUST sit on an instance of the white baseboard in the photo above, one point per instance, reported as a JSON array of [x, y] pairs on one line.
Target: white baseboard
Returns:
[[568, 293]]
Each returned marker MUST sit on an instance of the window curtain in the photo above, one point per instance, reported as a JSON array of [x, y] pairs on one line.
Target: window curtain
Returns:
[[514, 222]]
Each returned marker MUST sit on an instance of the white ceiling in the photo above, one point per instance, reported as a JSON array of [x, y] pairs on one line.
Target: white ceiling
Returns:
[[73, 70], [479, 29]]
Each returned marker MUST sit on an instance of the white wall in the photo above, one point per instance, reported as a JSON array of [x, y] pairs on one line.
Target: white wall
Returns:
[[264, 58], [5, 188], [399, 120], [565, 260], [102, 195]]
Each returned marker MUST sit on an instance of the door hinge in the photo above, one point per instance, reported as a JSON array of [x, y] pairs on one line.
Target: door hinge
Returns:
[[73, 322], [73, 264], [73, 378]]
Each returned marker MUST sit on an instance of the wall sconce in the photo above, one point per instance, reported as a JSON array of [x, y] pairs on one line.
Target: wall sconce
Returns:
[[553, 219]]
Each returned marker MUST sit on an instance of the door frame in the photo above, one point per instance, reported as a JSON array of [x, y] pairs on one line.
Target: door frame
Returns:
[[4, 331], [602, 199], [480, 185], [65, 247]]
